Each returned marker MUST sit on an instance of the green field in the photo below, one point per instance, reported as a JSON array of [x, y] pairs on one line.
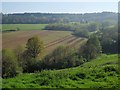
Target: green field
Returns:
[[98, 73], [23, 26]]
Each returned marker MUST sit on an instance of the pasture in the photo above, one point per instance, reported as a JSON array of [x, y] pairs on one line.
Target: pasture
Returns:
[[51, 39], [22, 26]]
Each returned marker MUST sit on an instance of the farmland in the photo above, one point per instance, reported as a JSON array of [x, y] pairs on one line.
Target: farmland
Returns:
[[51, 39], [23, 26], [48, 50]]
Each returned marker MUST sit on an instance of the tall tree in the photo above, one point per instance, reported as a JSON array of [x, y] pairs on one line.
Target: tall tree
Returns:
[[34, 47]]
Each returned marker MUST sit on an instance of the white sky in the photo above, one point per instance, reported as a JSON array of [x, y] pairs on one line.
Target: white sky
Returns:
[[60, 0]]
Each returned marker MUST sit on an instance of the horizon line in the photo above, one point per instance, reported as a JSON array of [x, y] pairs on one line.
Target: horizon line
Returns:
[[60, 12]]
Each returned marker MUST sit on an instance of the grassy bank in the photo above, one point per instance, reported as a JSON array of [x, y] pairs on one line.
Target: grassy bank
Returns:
[[98, 73]]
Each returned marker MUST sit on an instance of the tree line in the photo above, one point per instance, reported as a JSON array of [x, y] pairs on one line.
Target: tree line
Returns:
[[47, 18], [78, 29]]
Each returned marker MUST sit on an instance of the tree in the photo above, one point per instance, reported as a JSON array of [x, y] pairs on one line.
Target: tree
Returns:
[[92, 49], [9, 63], [34, 47], [109, 39]]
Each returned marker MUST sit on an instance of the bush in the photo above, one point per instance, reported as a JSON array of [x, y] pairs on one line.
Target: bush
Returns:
[[81, 75], [9, 63], [109, 69], [30, 65], [82, 33], [19, 54]]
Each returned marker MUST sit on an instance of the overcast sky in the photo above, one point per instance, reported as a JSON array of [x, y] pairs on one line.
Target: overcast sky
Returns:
[[59, 7]]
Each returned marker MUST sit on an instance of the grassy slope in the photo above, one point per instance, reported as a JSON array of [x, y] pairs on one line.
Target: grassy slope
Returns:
[[91, 74], [23, 26]]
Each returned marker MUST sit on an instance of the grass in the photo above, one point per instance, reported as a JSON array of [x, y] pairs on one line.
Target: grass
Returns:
[[98, 73], [23, 26]]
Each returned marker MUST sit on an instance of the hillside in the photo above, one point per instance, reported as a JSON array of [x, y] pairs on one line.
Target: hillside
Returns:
[[98, 73]]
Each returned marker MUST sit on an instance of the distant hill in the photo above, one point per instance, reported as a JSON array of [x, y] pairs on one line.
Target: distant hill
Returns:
[[46, 18], [98, 73]]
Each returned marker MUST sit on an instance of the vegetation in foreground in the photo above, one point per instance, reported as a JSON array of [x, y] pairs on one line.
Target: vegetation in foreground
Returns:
[[98, 73]]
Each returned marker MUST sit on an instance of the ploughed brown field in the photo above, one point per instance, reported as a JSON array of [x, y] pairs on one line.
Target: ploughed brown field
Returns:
[[51, 39]]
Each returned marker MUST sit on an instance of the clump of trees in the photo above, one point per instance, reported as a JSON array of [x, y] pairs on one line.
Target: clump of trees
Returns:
[[79, 29], [109, 39], [22, 60], [62, 57], [91, 49]]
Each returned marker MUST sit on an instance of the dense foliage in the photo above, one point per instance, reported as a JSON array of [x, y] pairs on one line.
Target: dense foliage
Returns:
[[109, 39], [45, 18], [79, 29], [62, 57], [34, 47], [91, 49], [9, 63]]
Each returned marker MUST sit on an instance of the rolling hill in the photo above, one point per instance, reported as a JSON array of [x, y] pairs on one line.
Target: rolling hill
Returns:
[[98, 73]]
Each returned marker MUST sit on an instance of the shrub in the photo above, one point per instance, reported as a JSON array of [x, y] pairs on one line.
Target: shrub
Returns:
[[109, 69], [19, 54], [81, 75], [9, 63]]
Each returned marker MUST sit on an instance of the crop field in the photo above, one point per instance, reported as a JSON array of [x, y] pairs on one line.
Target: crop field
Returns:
[[51, 39], [23, 26]]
